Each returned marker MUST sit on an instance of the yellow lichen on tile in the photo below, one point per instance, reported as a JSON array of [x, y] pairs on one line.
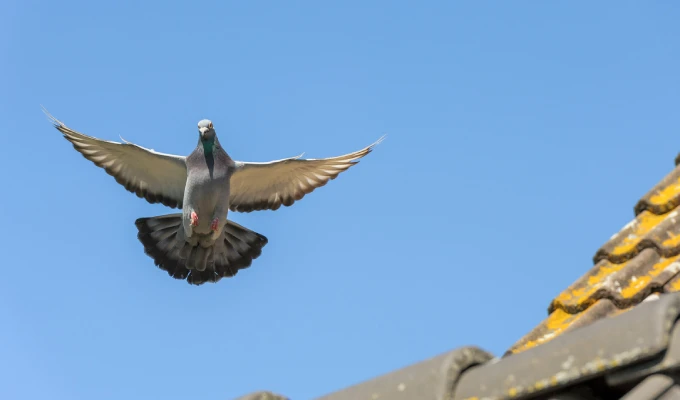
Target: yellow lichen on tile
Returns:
[[578, 292], [635, 285], [642, 225], [525, 346], [606, 270], [639, 283], [578, 296], [663, 264], [556, 322], [672, 241], [666, 195], [559, 320]]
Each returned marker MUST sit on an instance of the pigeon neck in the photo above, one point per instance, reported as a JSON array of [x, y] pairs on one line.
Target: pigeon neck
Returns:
[[208, 146]]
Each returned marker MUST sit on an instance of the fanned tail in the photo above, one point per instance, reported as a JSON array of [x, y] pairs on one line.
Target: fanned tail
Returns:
[[163, 241]]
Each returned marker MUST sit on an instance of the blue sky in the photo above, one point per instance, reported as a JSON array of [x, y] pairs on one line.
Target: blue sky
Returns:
[[520, 136]]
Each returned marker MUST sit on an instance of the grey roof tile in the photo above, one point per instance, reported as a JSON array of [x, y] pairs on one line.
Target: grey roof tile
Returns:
[[665, 362], [263, 395], [606, 345], [432, 379], [653, 387], [560, 322]]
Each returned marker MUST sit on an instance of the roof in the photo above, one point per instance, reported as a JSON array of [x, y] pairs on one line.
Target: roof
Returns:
[[612, 333], [641, 259], [263, 396]]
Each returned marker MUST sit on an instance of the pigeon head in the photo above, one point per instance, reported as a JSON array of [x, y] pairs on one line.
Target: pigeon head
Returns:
[[206, 130]]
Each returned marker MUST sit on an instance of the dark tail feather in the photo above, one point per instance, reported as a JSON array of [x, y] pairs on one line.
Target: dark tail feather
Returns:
[[163, 241]]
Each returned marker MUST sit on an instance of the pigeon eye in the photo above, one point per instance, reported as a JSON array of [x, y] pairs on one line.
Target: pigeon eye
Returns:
[[210, 126]]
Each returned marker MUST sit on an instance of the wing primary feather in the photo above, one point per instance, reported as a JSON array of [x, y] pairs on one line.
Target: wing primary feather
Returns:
[[268, 185], [154, 176]]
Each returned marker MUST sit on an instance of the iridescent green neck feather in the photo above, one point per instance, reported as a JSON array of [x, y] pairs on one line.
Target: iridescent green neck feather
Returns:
[[208, 146]]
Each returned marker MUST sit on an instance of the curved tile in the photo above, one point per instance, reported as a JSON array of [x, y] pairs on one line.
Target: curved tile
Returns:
[[434, 378], [604, 280], [664, 197], [560, 321], [615, 351], [625, 284], [646, 231], [642, 259], [639, 284]]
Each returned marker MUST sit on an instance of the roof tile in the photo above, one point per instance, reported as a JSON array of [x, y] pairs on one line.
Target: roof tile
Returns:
[[432, 379], [626, 284], [653, 387], [664, 197], [263, 395], [641, 341], [646, 231], [636, 355], [560, 321], [643, 258]]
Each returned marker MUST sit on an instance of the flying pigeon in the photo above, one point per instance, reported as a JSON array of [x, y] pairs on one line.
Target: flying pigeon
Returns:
[[200, 244]]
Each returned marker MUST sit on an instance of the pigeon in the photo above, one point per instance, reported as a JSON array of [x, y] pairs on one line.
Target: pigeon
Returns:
[[200, 244]]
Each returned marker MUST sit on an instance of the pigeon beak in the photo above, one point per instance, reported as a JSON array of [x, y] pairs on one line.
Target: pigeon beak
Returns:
[[203, 132]]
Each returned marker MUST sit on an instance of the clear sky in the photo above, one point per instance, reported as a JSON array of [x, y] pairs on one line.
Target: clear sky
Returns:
[[520, 136]]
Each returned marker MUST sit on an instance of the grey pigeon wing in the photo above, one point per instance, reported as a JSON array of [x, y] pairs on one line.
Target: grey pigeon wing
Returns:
[[156, 177], [267, 186]]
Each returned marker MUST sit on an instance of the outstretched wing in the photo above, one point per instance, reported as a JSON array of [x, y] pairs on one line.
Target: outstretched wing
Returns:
[[267, 186], [156, 177]]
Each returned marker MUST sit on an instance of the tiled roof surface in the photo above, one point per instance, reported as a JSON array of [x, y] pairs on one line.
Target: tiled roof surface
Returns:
[[643, 258], [612, 334], [607, 359], [633, 356], [263, 396]]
